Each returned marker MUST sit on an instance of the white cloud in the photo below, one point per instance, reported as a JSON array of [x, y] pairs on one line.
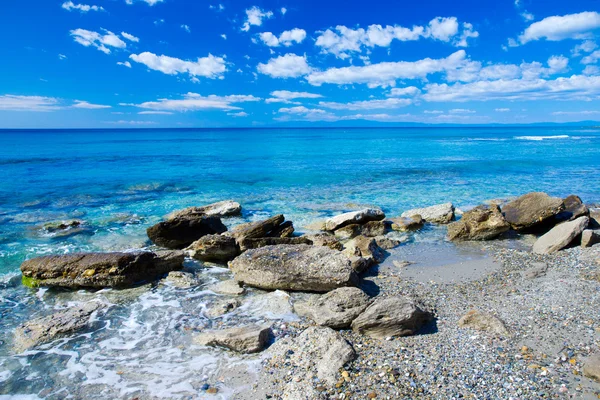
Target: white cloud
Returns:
[[592, 58], [224, 36], [410, 91], [88, 106], [28, 103], [576, 112], [527, 16], [255, 16], [125, 64], [442, 29], [467, 33], [461, 111], [586, 47], [287, 66], [219, 7], [433, 112], [558, 64], [238, 114], [196, 102], [155, 113], [130, 37], [69, 6], [62, 57], [123, 122], [386, 73], [285, 96], [571, 26], [287, 38], [97, 40], [283, 10], [159, 22], [502, 110], [591, 70], [368, 104], [186, 28], [209, 67]]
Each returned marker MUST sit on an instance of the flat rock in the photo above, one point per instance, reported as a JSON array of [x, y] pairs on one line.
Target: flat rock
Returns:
[[438, 214], [46, 329], [226, 208], [326, 240], [407, 224], [389, 317], [258, 229], [336, 309], [365, 247], [99, 270], [218, 248], [591, 367], [246, 339], [590, 237], [370, 229], [229, 287], [477, 320], [182, 279], [256, 243], [537, 270], [480, 223], [294, 267], [531, 209], [222, 307], [180, 232], [560, 236], [354, 217]]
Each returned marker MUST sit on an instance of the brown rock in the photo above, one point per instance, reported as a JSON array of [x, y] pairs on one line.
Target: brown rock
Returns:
[[180, 232], [354, 217], [225, 208], [255, 243], [531, 209], [591, 368], [247, 339], [327, 240], [219, 248], [406, 224], [484, 322], [589, 238], [480, 223], [574, 208], [365, 247], [257, 229]]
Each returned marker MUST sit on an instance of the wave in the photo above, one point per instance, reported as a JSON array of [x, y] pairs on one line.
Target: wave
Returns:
[[538, 138]]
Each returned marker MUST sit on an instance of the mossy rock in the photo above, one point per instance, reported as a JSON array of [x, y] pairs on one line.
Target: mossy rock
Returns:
[[30, 282]]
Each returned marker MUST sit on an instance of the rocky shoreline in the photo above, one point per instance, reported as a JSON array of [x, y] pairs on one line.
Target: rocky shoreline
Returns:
[[531, 329]]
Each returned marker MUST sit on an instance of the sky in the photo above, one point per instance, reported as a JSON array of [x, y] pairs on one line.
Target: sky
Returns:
[[238, 63]]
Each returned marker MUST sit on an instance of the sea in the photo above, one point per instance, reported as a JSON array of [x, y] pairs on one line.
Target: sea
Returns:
[[119, 182]]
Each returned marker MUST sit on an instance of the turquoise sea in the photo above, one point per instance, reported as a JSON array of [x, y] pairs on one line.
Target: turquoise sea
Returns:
[[119, 182]]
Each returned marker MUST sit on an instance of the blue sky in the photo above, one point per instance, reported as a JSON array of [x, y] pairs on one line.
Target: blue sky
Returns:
[[200, 63]]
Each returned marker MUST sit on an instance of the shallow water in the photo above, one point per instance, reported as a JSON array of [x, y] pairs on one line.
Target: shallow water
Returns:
[[120, 182]]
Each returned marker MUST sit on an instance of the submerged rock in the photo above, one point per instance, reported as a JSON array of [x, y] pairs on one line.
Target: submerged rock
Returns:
[[180, 232], [387, 243], [218, 248], [531, 209], [590, 237], [230, 287], [222, 307], [99, 270], [438, 214], [182, 279], [354, 217], [336, 309], [226, 208], [273, 305], [294, 267], [560, 236], [247, 339], [480, 223], [255, 243], [46, 329], [484, 322], [407, 224], [389, 317]]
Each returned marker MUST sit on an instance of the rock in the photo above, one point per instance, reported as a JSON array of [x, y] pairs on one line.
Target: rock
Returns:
[[52, 227], [348, 232], [255, 243], [65, 229], [222, 307], [589, 238], [225, 208], [301, 391], [389, 317], [285, 230], [531, 209], [46, 329], [354, 217], [257, 229], [480, 223], [370, 229], [591, 367], [366, 248], [247, 339], [326, 240], [560, 236], [483, 322], [99, 270], [387, 243], [406, 224], [273, 305], [319, 351], [218, 248], [294, 267], [180, 232], [336, 309], [537, 270], [438, 214], [574, 208], [594, 218], [182, 279], [229, 287]]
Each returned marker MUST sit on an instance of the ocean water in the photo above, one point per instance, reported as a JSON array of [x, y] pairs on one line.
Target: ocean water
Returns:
[[119, 182]]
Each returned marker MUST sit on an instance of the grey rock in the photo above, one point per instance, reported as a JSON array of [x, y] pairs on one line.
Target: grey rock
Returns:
[[99, 270], [354, 217], [301, 391], [370, 229], [590, 237], [477, 320], [246, 339], [259, 229], [294, 267], [221, 307], [407, 224], [218, 248], [229, 287], [366, 248], [480, 223], [560, 236], [336, 309], [326, 240], [46, 329], [389, 317], [591, 367], [224, 208], [180, 232], [386, 243], [537, 270], [182, 279], [438, 214], [285, 230], [255, 243], [531, 209]]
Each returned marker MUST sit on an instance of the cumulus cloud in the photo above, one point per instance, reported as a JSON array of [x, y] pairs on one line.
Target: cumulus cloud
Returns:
[[209, 67], [28, 103], [255, 17], [585, 47], [287, 66], [238, 114], [130, 37], [591, 70], [410, 91], [592, 58], [97, 40], [196, 102], [368, 104], [69, 6], [186, 28], [125, 64], [287, 38], [88, 106], [555, 28]]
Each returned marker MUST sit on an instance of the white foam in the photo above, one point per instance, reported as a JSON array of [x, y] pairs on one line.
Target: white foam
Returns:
[[539, 138]]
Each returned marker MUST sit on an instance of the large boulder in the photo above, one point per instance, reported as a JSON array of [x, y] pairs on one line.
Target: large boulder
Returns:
[[484, 322], [591, 367], [531, 209], [219, 248], [259, 229], [225, 208], [255, 243], [294, 267], [480, 223], [336, 309], [370, 229], [389, 317], [438, 214], [574, 208], [560, 236], [354, 217], [99, 270], [180, 232], [46, 329], [246, 339]]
